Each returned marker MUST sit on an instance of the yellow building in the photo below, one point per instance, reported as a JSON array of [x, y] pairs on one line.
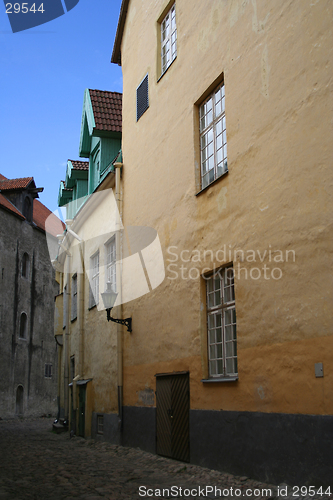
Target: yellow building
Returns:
[[246, 233]]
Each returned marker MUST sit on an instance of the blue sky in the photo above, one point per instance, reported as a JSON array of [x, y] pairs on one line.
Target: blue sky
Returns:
[[43, 74]]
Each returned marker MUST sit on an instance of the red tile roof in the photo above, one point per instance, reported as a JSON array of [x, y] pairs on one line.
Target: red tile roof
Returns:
[[54, 226], [9, 206], [107, 109], [40, 212], [21, 183], [80, 165]]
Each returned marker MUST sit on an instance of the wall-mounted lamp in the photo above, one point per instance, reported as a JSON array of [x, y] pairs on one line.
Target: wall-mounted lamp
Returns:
[[109, 298]]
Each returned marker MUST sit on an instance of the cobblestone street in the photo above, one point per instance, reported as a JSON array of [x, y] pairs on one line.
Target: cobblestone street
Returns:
[[36, 463]]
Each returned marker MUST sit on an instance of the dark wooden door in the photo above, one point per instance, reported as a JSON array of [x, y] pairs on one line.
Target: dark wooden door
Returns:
[[172, 416]]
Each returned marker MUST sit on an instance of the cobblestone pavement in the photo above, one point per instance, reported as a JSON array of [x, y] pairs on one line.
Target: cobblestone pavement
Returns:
[[36, 463]]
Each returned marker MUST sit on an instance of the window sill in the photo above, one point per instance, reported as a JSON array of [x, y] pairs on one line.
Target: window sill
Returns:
[[92, 307], [222, 379], [212, 183], [166, 69]]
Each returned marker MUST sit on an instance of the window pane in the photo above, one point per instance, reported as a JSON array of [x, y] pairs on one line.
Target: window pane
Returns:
[[218, 108], [219, 143], [230, 366], [220, 367], [212, 367], [228, 333], [219, 335], [227, 317], [219, 350], [212, 353], [205, 181], [229, 349], [212, 337]]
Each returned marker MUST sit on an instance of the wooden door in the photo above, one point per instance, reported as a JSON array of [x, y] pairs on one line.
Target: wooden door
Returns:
[[172, 416]]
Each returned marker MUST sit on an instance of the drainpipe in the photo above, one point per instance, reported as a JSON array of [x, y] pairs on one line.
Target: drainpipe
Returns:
[[81, 290], [119, 290], [66, 340], [81, 295]]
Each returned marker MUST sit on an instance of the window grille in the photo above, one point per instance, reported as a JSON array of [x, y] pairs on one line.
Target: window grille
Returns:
[[100, 424], [142, 99], [48, 370]]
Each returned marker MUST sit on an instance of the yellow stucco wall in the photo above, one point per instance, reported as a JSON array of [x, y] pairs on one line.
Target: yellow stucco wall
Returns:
[[277, 198]]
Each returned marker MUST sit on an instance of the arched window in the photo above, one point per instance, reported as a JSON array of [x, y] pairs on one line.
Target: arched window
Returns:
[[23, 326], [25, 265]]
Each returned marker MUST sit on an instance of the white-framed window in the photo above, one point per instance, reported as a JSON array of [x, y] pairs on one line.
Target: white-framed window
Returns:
[[221, 324], [213, 137], [94, 280], [168, 39], [74, 297], [110, 248]]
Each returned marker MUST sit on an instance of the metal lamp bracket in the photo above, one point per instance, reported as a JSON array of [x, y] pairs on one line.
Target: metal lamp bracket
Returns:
[[126, 322]]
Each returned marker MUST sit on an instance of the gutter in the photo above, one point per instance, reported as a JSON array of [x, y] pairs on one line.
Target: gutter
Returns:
[[118, 167]]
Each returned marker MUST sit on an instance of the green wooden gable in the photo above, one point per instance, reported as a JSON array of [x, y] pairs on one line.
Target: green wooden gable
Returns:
[[100, 143]]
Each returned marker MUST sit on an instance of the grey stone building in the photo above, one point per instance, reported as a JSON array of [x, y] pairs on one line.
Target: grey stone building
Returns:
[[28, 354]]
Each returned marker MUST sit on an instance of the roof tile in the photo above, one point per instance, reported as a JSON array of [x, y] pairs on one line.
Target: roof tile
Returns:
[[80, 165], [21, 183], [107, 109]]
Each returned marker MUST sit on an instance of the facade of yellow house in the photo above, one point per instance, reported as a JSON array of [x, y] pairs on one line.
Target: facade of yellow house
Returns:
[[226, 142]]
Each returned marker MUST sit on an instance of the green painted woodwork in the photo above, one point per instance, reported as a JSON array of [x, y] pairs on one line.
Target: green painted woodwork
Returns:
[[102, 148]]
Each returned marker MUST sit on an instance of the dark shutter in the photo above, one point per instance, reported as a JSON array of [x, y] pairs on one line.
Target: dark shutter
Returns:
[[142, 101]]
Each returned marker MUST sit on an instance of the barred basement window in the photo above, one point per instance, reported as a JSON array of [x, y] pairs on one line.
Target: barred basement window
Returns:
[[142, 100], [48, 370], [221, 322], [168, 39], [213, 137], [100, 424]]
